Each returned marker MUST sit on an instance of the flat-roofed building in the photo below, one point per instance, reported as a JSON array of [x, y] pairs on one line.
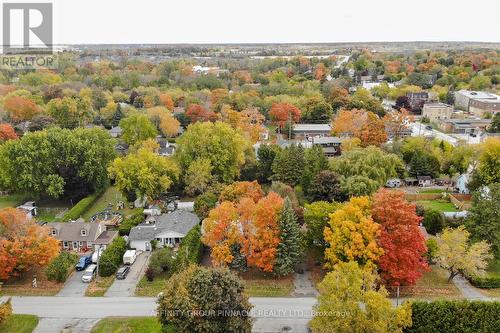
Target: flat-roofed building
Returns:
[[479, 101], [437, 111], [306, 131], [463, 126]]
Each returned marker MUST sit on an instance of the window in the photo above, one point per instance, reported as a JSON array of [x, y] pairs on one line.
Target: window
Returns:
[[65, 244], [54, 232], [75, 245], [84, 232]]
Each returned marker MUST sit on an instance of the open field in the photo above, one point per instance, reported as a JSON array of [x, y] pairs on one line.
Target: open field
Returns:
[[439, 205], [19, 323], [258, 284], [153, 288]]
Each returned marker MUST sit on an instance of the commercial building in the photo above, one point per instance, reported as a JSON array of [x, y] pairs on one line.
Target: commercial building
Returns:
[[437, 111]]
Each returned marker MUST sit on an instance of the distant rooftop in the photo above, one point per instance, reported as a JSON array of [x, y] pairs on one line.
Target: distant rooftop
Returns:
[[312, 127], [478, 94]]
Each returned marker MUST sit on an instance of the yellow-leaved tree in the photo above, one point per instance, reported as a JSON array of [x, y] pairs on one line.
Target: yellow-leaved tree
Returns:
[[350, 302], [352, 234]]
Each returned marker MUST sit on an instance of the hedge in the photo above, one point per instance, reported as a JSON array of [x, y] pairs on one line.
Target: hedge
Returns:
[[486, 282], [455, 317], [191, 249], [112, 257], [81, 207], [59, 268]]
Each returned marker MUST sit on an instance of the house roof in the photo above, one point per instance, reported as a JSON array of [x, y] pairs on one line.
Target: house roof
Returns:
[[71, 231], [178, 221], [116, 130], [424, 177], [106, 237], [327, 139], [312, 127]]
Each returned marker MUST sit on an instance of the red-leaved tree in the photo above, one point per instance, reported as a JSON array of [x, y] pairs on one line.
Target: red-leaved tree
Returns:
[[281, 113], [7, 133], [404, 244]]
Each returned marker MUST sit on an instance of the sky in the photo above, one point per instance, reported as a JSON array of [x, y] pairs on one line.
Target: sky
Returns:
[[272, 21]]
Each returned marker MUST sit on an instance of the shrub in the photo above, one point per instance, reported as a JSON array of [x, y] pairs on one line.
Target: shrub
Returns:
[[432, 248], [161, 260], [59, 268], [150, 274], [455, 317], [434, 221], [112, 257], [81, 207], [191, 249], [5, 311], [129, 223], [486, 282]]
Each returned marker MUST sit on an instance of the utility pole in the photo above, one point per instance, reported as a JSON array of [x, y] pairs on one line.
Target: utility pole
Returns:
[[289, 125], [98, 257]]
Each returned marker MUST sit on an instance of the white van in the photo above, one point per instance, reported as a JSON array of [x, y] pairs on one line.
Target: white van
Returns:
[[129, 257], [94, 255], [393, 183], [89, 273]]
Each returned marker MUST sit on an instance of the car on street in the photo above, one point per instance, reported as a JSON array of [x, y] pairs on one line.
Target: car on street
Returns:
[[89, 273], [122, 272], [429, 128], [83, 262]]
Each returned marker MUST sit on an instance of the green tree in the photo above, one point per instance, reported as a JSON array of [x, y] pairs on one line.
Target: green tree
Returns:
[[58, 269], [363, 171], [213, 292], [352, 289], [488, 169], [57, 161], [70, 112], [162, 260], [483, 220], [288, 166], [290, 247], [495, 124], [144, 173], [266, 155], [204, 203], [216, 142], [112, 257], [317, 110], [198, 176], [316, 217], [137, 128], [326, 186]]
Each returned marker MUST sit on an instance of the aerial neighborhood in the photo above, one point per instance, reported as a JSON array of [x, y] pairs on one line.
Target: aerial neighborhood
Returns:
[[356, 186]]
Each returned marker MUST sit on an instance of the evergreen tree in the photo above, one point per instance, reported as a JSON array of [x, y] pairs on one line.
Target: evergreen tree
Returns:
[[495, 124], [315, 162], [117, 116], [288, 166], [290, 246]]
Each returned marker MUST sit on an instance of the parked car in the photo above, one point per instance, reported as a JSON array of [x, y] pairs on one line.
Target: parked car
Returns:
[[89, 273], [429, 128], [83, 262], [129, 257], [393, 183], [122, 272]]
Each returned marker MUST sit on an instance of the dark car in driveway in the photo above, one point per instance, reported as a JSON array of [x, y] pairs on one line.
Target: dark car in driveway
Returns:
[[122, 272], [83, 262]]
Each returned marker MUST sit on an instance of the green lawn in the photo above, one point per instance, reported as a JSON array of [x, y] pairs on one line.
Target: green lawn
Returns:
[[113, 196], [19, 323], [258, 284], [153, 288], [128, 325], [440, 205], [432, 190], [12, 200]]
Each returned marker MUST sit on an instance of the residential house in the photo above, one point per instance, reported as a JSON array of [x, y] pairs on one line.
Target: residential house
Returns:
[[167, 230], [121, 148], [464, 126], [166, 148], [424, 181], [81, 236], [115, 132], [306, 131], [417, 100], [329, 145], [437, 111]]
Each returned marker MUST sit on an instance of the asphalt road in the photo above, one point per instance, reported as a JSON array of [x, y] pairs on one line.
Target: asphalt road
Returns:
[[74, 285], [271, 314]]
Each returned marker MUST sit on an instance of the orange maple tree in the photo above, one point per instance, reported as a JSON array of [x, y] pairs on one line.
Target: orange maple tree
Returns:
[[404, 244], [196, 112], [20, 108], [397, 122], [7, 133], [372, 133], [362, 124], [320, 71], [281, 113], [23, 243], [236, 191], [167, 101]]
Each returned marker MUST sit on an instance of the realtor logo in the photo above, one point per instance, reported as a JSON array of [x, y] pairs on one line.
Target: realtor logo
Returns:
[[27, 26]]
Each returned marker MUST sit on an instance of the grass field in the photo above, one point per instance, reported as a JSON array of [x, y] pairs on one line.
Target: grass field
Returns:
[[19, 323], [113, 196], [258, 284], [440, 205], [493, 270], [12, 200], [128, 325], [98, 289], [153, 288]]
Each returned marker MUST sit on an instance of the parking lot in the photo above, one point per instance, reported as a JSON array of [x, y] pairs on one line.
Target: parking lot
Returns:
[[126, 287]]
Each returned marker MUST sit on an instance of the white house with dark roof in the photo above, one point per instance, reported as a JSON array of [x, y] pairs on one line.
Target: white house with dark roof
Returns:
[[167, 229]]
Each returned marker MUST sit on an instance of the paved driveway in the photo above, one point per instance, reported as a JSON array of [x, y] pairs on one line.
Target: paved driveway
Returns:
[[126, 287], [74, 285]]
